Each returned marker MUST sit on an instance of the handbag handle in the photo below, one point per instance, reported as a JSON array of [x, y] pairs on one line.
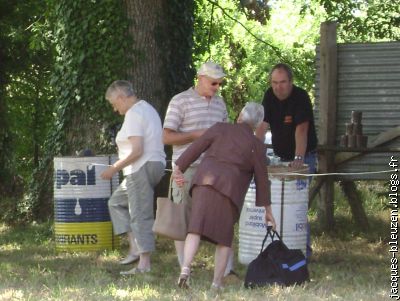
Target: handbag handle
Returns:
[[170, 187], [270, 233], [171, 179]]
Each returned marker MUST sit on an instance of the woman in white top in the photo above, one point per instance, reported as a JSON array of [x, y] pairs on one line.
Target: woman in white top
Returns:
[[142, 160]]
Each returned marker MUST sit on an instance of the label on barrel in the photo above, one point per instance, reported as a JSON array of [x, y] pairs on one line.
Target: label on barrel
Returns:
[[83, 236], [76, 177], [255, 218], [76, 239], [301, 184], [75, 210]]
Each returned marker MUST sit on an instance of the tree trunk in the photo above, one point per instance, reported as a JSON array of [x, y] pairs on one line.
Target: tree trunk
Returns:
[[5, 173], [162, 33]]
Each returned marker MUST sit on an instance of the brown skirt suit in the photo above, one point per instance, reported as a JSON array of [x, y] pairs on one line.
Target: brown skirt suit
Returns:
[[233, 156]]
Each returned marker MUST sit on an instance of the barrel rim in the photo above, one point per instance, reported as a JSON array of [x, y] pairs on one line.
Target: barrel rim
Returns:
[[82, 157]]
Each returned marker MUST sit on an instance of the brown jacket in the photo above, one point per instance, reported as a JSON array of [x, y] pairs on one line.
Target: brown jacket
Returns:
[[232, 156]]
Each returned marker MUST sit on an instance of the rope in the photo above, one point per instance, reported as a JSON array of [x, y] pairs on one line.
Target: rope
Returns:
[[332, 173], [99, 164], [303, 174], [324, 174]]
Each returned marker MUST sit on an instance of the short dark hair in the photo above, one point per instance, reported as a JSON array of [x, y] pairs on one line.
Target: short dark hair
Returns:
[[284, 67]]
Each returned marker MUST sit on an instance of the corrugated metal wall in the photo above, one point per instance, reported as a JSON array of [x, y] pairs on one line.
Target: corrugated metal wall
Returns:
[[368, 81]]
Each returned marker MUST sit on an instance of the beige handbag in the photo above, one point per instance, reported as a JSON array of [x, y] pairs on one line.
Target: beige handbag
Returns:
[[170, 218]]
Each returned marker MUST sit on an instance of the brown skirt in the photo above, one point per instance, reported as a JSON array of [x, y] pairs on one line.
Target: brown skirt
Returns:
[[213, 216]]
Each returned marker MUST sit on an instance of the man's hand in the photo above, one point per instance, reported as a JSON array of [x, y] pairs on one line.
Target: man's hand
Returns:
[[297, 163]]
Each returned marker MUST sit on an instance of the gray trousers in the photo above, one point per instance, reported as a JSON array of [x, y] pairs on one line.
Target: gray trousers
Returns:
[[131, 205]]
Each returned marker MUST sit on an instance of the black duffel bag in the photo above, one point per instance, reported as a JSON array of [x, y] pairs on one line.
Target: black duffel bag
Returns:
[[277, 264]]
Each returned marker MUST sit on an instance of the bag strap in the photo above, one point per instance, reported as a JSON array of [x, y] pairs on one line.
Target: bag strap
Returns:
[[170, 187], [282, 204], [271, 233]]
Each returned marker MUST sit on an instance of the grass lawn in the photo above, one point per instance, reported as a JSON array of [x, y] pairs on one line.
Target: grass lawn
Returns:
[[346, 265]]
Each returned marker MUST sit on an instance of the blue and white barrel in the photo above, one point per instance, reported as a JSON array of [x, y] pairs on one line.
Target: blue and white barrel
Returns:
[[82, 220], [289, 202]]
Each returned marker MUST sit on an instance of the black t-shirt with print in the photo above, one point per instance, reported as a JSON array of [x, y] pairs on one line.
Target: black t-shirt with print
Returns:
[[284, 116]]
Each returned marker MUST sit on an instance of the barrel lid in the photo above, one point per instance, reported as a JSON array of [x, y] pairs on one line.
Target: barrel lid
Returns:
[[79, 157], [286, 172]]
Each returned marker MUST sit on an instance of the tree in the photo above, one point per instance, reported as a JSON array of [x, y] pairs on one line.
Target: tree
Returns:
[[82, 46], [24, 66], [248, 47], [98, 42], [364, 20], [162, 33]]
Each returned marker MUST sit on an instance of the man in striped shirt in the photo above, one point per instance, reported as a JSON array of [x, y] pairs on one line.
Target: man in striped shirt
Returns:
[[189, 114]]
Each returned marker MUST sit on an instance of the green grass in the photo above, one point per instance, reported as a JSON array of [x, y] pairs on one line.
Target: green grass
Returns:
[[347, 265]]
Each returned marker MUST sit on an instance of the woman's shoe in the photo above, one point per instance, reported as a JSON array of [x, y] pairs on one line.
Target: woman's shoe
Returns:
[[130, 259], [232, 278], [135, 271], [216, 287], [183, 279]]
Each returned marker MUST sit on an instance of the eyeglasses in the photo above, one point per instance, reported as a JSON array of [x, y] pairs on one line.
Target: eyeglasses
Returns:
[[216, 83]]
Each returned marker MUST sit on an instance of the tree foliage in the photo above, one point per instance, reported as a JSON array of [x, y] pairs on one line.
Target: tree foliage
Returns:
[[227, 31], [248, 49], [364, 20], [25, 101], [90, 39]]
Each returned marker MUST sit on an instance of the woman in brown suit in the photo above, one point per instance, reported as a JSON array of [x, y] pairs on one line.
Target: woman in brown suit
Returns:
[[233, 155]]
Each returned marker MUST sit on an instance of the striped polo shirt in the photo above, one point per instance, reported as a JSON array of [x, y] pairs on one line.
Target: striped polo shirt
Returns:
[[188, 111]]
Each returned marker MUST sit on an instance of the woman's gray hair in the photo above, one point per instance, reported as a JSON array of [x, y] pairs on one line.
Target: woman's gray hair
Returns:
[[253, 114], [121, 86]]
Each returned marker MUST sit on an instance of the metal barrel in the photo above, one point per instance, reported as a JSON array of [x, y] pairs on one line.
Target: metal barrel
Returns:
[[81, 216], [289, 203]]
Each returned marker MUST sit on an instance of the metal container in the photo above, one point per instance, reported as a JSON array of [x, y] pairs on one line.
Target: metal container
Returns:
[[343, 140], [289, 204], [356, 117], [82, 219]]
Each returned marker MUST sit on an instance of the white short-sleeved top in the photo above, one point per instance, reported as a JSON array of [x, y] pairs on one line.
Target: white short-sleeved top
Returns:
[[141, 120]]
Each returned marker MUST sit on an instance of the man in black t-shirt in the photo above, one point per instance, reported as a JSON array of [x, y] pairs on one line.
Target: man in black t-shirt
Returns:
[[288, 113]]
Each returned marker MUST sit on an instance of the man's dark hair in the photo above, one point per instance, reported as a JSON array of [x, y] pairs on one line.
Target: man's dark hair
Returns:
[[284, 67]]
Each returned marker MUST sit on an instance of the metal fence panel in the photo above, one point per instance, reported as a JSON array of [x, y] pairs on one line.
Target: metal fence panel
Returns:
[[368, 81]]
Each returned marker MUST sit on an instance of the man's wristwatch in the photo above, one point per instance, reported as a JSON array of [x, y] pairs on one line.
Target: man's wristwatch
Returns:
[[300, 158]]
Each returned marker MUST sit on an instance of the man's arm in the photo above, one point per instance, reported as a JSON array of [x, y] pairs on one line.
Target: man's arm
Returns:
[[301, 143], [171, 137], [261, 130]]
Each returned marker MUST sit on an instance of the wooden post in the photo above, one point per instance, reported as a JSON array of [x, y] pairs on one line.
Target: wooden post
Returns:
[[327, 119], [314, 190], [357, 209]]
